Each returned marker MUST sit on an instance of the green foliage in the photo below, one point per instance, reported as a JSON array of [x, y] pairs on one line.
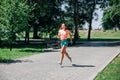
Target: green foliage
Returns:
[[46, 16], [14, 16], [111, 17], [114, 2]]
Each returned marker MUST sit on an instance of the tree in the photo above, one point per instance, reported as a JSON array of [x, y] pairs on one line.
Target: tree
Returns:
[[50, 21], [91, 8], [111, 17], [36, 12], [14, 16], [81, 11], [46, 16], [76, 34], [75, 15]]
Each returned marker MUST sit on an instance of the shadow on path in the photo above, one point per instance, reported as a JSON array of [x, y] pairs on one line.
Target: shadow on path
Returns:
[[76, 65], [10, 61]]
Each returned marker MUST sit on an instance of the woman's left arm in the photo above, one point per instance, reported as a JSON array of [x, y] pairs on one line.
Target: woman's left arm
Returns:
[[70, 37]]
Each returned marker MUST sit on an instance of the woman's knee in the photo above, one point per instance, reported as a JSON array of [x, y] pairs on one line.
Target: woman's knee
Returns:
[[62, 52], [63, 49]]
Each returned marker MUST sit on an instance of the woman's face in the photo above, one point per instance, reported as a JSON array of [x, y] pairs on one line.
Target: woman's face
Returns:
[[63, 26]]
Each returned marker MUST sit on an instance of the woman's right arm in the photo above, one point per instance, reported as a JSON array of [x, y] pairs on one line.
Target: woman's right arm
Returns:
[[59, 35]]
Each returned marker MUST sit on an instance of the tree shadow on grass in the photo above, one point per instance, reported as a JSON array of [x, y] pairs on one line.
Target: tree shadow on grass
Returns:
[[42, 50], [19, 46], [51, 50], [31, 50], [10, 61], [99, 44]]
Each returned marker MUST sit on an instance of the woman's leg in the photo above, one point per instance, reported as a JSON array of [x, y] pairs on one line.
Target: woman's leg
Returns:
[[67, 55], [62, 54]]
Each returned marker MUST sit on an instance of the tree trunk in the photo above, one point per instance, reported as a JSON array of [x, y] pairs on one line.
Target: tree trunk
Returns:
[[90, 20], [76, 35], [90, 28], [11, 38], [26, 37], [35, 33], [11, 46]]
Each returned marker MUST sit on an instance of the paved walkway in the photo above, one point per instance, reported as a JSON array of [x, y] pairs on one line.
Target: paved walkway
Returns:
[[88, 59]]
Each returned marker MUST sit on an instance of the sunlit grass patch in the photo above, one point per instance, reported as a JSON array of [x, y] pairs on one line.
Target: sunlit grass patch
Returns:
[[111, 72]]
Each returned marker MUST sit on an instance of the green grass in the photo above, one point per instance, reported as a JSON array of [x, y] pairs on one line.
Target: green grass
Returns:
[[6, 55], [96, 34], [111, 72], [18, 52]]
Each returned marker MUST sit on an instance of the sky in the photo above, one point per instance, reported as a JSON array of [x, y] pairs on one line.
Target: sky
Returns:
[[96, 24]]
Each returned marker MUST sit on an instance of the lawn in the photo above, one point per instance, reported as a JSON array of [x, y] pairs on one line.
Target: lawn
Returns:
[[111, 72], [100, 35], [17, 52]]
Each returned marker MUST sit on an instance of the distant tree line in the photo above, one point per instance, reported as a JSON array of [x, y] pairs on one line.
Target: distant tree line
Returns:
[[45, 16]]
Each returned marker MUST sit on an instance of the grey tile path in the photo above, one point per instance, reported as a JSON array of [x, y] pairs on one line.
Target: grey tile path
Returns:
[[88, 61]]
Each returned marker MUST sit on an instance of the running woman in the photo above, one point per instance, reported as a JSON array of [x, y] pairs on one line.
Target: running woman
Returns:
[[63, 35]]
